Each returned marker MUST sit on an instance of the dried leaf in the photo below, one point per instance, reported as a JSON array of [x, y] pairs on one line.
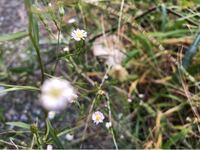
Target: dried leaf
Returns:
[[110, 48]]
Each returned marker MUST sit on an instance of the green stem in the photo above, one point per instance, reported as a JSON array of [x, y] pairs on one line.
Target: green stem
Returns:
[[39, 58], [34, 36]]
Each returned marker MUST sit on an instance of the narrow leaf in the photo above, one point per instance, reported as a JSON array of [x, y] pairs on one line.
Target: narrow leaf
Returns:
[[13, 36], [19, 124]]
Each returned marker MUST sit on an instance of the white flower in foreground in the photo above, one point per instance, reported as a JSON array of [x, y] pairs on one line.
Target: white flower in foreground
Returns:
[[98, 117], [69, 137], [108, 125], [49, 147], [79, 34], [56, 94]]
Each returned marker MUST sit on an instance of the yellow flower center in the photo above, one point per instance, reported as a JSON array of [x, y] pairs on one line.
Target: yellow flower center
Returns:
[[98, 117], [55, 92], [79, 34]]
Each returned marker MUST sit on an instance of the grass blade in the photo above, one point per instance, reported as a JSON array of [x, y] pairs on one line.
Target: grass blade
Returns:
[[191, 52], [13, 36], [53, 135], [19, 124]]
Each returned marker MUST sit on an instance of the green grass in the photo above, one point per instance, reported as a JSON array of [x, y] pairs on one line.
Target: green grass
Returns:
[[162, 84]]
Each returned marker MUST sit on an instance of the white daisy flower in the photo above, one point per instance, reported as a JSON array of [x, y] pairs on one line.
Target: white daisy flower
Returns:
[[79, 34], [98, 117], [108, 125], [56, 94]]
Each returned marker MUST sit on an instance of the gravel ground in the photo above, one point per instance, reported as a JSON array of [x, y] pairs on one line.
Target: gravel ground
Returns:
[[12, 16]]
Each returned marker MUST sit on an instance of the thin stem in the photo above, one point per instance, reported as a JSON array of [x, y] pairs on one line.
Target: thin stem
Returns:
[[110, 120], [93, 103], [34, 39], [120, 16], [39, 57]]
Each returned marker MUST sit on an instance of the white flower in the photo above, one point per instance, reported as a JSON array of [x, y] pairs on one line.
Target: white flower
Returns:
[[108, 125], [98, 117], [66, 49], [69, 137], [188, 119], [49, 147], [121, 137], [56, 94], [129, 100], [141, 95], [50, 5], [79, 34], [51, 114], [72, 20]]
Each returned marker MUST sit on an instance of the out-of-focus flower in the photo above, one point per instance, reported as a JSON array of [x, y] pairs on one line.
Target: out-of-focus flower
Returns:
[[108, 125], [188, 119], [51, 114], [98, 117], [49, 147], [101, 92], [50, 5], [129, 100], [79, 34], [69, 137], [118, 72], [56, 94], [66, 49], [141, 95], [61, 10], [72, 20], [95, 2], [121, 137]]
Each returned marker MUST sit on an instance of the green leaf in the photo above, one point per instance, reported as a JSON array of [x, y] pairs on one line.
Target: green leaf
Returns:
[[174, 33], [132, 54], [13, 36], [53, 134], [17, 87], [175, 138], [19, 124]]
